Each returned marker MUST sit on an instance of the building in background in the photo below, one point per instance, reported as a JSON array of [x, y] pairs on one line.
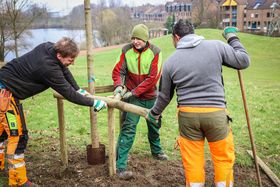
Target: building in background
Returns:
[[254, 16], [149, 13], [179, 9], [258, 16]]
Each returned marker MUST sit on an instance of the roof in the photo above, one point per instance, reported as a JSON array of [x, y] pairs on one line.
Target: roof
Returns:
[[251, 4], [238, 2], [262, 4], [149, 9]]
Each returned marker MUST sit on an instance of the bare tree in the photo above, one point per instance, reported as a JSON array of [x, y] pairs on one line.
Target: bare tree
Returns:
[[115, 3], [205, 13], [102, 3], [19, 19], [115, 25], [76, 17], [4, 31], [107, 28]]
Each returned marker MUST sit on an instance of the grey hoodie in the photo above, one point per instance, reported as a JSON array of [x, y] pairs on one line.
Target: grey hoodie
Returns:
[[195, 71]]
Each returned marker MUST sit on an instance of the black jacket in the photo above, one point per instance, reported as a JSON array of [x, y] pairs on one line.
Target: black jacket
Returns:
[[38, 70]]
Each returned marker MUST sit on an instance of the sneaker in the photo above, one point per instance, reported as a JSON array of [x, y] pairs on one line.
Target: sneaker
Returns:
[[123, 174], [29, 184], [160, 156]]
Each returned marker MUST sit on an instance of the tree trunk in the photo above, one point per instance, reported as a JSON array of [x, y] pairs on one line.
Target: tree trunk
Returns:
[[93, 115], [16, 46]]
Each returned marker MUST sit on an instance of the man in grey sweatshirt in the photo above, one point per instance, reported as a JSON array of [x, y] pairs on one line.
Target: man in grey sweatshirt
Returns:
[[194, 70]]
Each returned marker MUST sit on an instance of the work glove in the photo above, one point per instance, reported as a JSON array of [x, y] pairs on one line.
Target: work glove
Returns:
[[229, 32], [99, 105], [83, 92], [154, 118], [118, 89], [127, 95]]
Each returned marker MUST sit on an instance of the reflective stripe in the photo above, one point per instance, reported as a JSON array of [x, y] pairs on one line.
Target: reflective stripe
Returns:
[[15, 156], [195, 184], [199, 109], [18, 165], [1, 144], [224, 184], [1, 151]]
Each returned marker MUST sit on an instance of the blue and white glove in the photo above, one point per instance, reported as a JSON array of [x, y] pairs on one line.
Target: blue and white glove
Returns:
[[118, 89], [155, 119], [127, 95], [99, 105], [229, 32], [83, 92]]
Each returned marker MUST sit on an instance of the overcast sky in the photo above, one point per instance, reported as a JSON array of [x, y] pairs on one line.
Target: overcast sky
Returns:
[[67, 5]]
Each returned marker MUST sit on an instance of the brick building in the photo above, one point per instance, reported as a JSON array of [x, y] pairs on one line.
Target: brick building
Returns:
[[180, 9], [206, 16], [250, 15], [148, 13]]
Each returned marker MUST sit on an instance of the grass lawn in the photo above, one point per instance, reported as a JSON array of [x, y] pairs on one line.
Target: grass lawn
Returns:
[[262, 84]]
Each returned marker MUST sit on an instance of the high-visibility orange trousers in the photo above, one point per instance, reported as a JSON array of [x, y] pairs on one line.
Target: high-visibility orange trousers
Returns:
[[15, 146], [222, 153]]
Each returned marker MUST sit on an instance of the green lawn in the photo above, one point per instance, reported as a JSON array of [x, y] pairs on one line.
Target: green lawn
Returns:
[[262, 84]]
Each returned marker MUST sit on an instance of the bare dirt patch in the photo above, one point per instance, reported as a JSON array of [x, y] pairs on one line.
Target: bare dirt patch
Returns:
[[44, 168]]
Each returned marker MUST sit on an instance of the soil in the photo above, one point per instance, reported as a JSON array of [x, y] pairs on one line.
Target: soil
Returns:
[[44, 168]]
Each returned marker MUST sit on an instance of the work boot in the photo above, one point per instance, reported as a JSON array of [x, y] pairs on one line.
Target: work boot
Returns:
[[160, 156], [123, 174], [29, 184]]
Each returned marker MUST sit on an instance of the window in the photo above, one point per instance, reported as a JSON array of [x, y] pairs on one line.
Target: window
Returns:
[[268, 14], [244, 15], [256, 15]]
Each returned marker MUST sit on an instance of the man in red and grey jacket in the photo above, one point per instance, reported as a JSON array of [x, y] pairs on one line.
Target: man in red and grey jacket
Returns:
[[135, 76]]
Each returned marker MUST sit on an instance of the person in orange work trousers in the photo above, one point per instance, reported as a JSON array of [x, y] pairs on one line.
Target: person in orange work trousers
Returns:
[[195, 71], [46, 66]]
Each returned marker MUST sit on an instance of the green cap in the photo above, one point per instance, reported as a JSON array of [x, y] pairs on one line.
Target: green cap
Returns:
[[140, 31]]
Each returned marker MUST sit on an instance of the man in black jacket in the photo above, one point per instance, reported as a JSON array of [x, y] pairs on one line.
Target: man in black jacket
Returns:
[[42, 68]]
